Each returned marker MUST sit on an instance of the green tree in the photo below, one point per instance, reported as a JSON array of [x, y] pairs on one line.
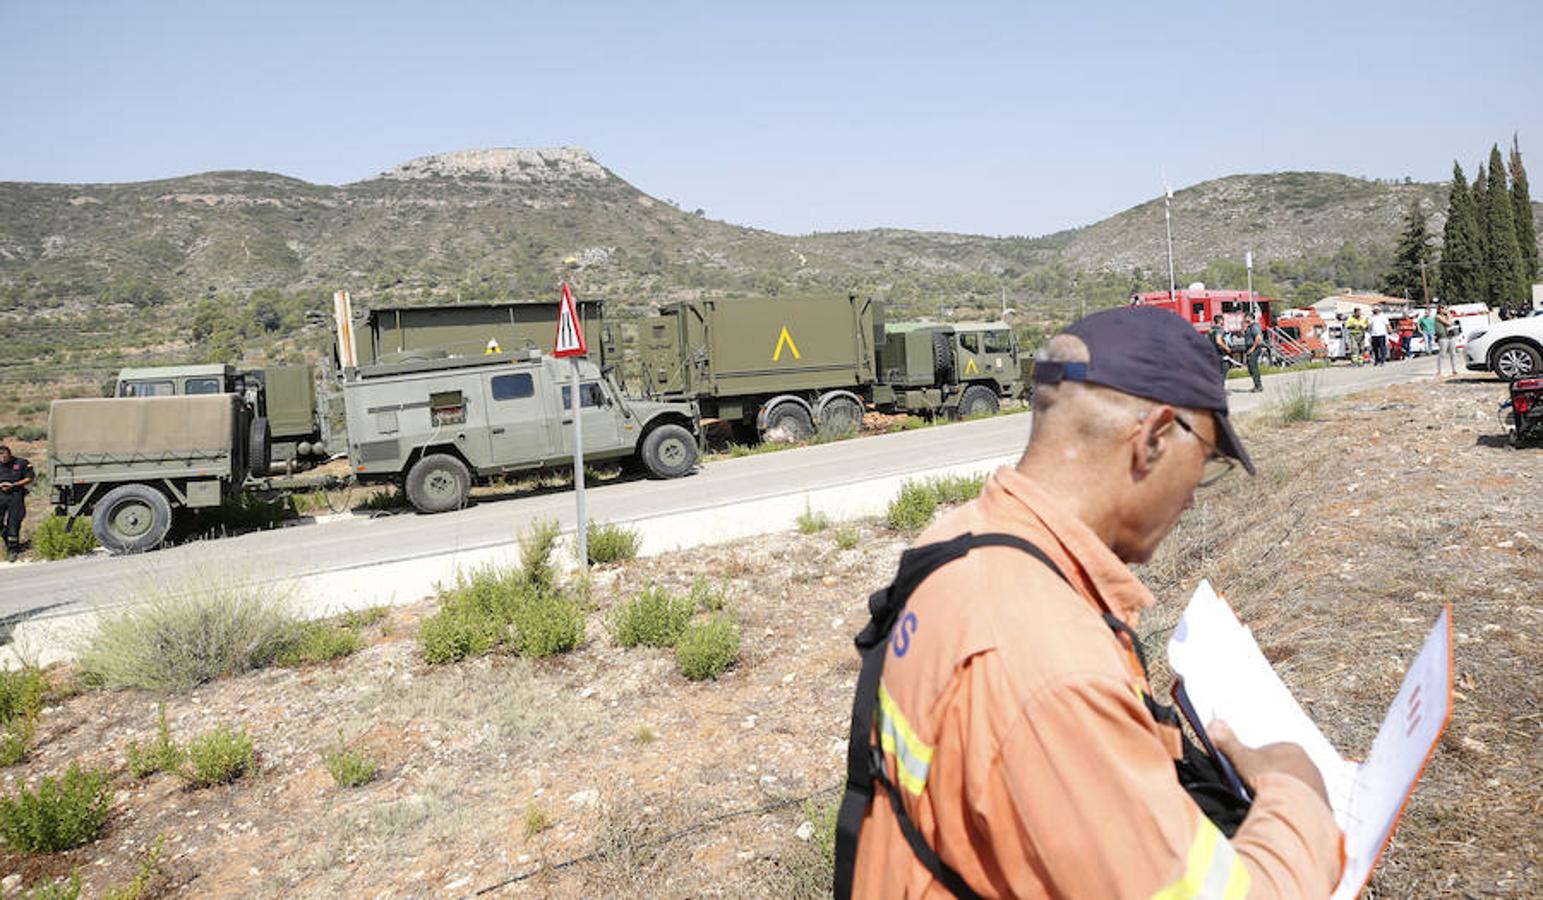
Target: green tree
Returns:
[[1480, 283], [1504, 262], [1521, 208], [1460, 246], [1407, 276]]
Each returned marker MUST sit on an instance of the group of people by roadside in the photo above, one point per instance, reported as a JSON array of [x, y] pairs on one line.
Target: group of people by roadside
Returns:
[[1253, 347], [1367, 337]]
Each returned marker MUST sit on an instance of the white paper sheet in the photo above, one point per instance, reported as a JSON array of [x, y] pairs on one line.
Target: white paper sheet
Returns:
[[1228, 678]]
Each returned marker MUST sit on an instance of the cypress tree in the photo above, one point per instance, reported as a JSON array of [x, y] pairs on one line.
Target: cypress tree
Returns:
[[1505, 256], [1460, 259], [1480, 283], [1407, 277], [1521, 209]]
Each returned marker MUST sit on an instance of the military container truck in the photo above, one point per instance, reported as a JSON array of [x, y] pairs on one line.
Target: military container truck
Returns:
[[423, 332], [438, 425], [785, 367], [128, 463]]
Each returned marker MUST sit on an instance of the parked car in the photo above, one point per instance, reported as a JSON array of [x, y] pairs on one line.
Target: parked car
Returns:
[[1511, 349]]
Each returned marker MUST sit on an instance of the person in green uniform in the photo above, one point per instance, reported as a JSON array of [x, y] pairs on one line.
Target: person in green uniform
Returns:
[[1218, 338], [1253, 348]]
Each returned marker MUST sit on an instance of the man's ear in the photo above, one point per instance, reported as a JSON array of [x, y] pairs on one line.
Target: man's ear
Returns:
[[1151, 440]]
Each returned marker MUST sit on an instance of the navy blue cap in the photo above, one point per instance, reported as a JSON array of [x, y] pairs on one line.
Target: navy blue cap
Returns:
[[1149, 352]]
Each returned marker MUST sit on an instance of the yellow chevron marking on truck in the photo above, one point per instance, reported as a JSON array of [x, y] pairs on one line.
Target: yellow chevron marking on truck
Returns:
[[787, 340], [970, 368]]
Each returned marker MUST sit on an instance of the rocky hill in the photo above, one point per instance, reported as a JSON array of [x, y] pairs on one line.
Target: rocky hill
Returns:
[[93, 274]]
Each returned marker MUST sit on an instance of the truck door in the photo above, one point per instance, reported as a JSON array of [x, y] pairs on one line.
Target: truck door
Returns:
[[519, 427], [600, 416]]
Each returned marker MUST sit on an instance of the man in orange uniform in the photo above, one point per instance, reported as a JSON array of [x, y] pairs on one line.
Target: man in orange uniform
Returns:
[[1012, 712]]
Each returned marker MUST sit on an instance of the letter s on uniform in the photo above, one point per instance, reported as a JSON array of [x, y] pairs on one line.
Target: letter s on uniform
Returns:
[[901, 642]]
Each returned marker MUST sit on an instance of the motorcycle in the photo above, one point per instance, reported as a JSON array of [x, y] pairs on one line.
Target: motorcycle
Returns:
[[1522, 415]]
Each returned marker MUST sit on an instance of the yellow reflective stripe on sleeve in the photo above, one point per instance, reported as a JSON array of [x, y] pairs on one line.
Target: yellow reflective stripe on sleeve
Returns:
[[912, 757], [1212, 872]]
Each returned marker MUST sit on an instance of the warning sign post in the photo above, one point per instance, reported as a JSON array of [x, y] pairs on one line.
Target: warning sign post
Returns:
[[570, 343]]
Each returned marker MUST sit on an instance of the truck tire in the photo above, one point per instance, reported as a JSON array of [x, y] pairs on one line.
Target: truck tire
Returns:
[[943, 357], [978, 400], [259, 447], [841, 415], [789, 419], [1515, 360], [438, 483], [668, 451], [131, 518]]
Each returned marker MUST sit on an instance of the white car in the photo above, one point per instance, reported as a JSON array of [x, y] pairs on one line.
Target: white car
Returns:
[[1511, 349]]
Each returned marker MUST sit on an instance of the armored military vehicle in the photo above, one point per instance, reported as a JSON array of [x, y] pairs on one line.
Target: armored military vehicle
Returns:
[[785, 367], [437, 425]]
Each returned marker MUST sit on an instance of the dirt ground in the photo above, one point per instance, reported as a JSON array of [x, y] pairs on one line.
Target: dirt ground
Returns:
[[1339, 555]]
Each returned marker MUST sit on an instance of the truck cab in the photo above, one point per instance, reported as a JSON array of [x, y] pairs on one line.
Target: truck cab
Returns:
[[439, 425]]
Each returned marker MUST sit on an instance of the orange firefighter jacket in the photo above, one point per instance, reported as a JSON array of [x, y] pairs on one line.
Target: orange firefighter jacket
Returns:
[[1011, 718]]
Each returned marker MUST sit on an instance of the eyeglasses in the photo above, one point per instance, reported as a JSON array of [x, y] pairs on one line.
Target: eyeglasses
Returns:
[[1217, 464]]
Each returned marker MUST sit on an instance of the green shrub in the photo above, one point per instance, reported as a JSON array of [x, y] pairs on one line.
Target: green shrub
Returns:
[[363, 618], [350, 768], [546, 624], [536, 820], [162, 756], [16, 740], [653, 618], [612, 543], [21, 693], [810, 521], [536, 547], [63, 812], [54, 539], [707, 648], [219, 757], [1299, 401], [24, 432], [171, 640], [149, 868], [957, 488], [244, 511], [707, 596], [912, 508], [847, 537], [454, 634], [313, 642]]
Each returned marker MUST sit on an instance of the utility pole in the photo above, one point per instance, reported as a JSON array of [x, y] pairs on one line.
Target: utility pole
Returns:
[[1168, 221], [1424, 284], [1248, 263]]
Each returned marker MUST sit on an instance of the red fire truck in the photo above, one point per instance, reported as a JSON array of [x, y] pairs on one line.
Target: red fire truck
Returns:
[[1199, 305]]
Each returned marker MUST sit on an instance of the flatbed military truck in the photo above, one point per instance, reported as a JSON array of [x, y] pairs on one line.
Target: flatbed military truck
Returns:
[[786, 367]]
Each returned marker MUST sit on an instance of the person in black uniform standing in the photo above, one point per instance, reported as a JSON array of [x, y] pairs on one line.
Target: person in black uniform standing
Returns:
[[1218, 338], [15, 475]]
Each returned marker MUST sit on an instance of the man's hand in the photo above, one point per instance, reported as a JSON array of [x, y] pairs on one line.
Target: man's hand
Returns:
[[1251, 762]]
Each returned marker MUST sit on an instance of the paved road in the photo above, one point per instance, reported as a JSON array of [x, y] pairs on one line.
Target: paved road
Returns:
[[69, 586]]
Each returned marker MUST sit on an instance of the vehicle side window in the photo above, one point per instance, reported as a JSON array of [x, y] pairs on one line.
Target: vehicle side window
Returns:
[[1198, 309], [201, 386], [148, 389], [998, 342], [970, 342], [517, 386], [592, 396]]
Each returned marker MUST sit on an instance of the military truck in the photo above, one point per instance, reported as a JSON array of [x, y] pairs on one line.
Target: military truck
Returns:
[[785, 367], [396, 333], [128, 463], [439, 424], [288, 427]]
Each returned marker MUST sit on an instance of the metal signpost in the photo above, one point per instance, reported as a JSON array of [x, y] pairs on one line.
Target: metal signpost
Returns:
[[570, 343]]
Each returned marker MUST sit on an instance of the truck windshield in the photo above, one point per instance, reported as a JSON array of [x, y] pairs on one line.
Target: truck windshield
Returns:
[[970, 342], [999, 342], [147, 389]]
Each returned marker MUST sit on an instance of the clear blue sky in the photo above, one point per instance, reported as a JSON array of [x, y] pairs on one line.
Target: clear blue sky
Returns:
[[1001, 118]]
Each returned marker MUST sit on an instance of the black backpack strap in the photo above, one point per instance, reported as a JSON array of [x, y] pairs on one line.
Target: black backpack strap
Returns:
[[865, 761]]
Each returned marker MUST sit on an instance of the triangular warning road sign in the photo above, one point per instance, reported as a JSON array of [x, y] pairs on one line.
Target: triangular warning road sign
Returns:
[[570, 334]]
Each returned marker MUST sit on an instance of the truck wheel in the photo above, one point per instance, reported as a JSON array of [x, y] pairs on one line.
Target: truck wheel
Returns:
[[841, 415], [668, 451], [259, 447], [943, 357], [438, 483], [790, 421], [978, 400], [1515, 360], [131, 518]]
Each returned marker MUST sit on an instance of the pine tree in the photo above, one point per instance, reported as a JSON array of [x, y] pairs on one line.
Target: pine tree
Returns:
[[1407, 277], [1505, 257], [1521, 208], [1460, 259], [1480, 283]]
